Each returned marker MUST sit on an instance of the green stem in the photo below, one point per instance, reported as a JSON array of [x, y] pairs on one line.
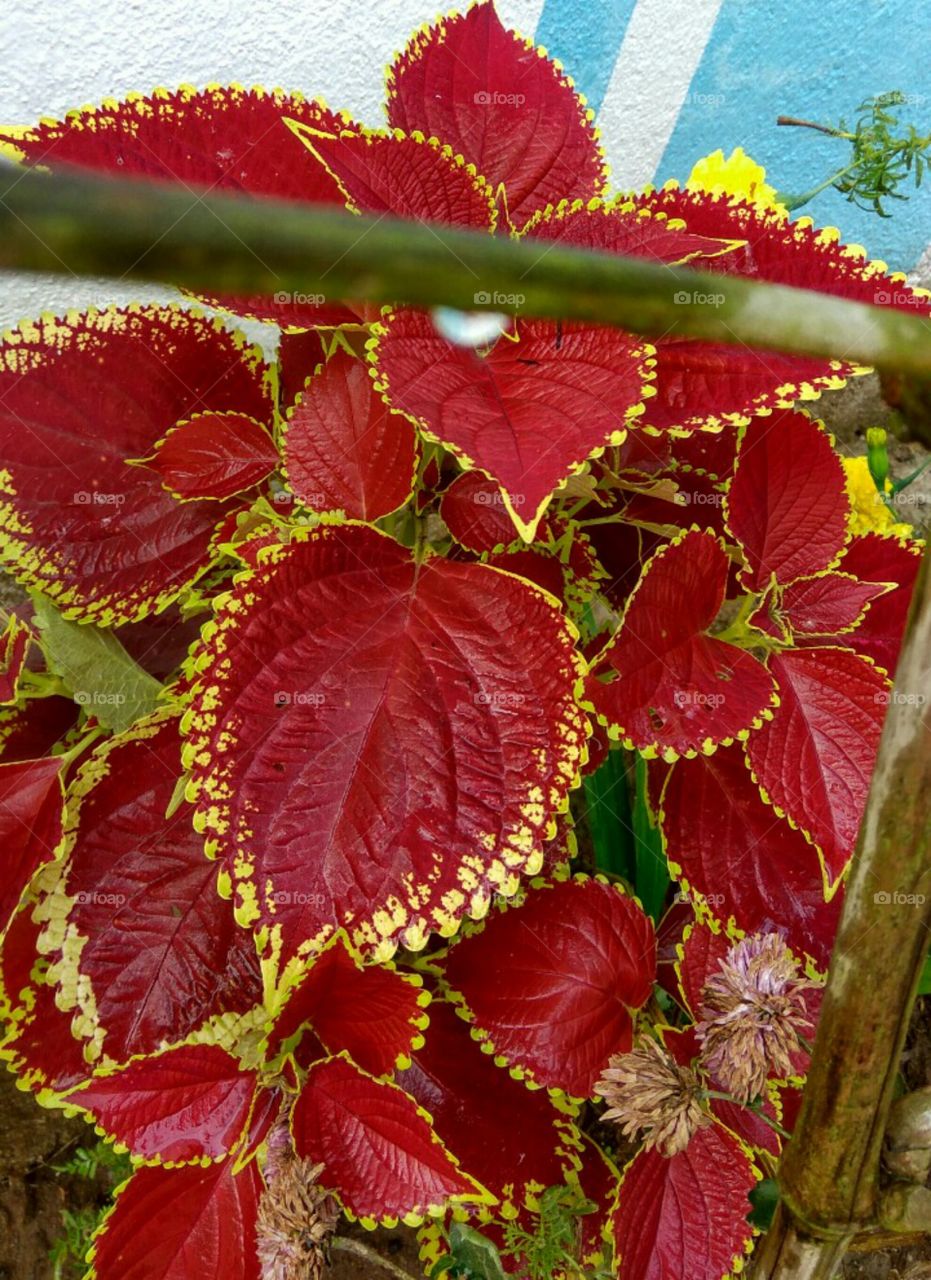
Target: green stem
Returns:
[[797, 202], [74, 223]]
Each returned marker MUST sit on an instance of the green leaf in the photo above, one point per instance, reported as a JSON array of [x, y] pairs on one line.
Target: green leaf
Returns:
[[607, 805], [924, 982], [95, 669], [651, 877], [473, 1256], [764, 1197]]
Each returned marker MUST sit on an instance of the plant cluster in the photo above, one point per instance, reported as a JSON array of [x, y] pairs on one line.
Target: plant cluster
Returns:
[[355, 623]]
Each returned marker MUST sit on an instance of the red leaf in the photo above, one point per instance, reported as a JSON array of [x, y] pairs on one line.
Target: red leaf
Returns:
[[343, 449], [37, 1043], [787, 505], [229, 139], [740, 860], [79, 397], [701, 382], [299, 354], [618, 227], [829, 604], [703, 950], [35, 727], [786, 252], [552, 983], [491, 96], [214, 455], [574, 386], [224, 139], [873, 558], [679, 690], [158, 949], [378, 1149], [474, 511], [685, 1215], [505, 1135], [410, 177], [815, 758], [188, 1103], [373, 1012], [377, 766], [31, 810], [172, 1224]]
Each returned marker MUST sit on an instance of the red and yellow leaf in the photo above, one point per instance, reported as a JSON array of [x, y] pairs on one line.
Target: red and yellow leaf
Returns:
[[503, 105], [79, 396], [575, 386], [829, 603], [190, 1103], [685, 1215], [874, 558], [378, 1149], [172, 1224], [31, 814], [373, 1012], [814, 759], [343, 449], [551, 984], [214, 455], [474, 513], [511, 1139], [409, 177], [360, 745], [787, 504], [148, 949], [678, 690], [740, 860]]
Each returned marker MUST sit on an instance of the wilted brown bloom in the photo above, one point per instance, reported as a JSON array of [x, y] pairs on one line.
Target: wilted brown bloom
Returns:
[[753, 1011], [296, 1217], [648, 1092]]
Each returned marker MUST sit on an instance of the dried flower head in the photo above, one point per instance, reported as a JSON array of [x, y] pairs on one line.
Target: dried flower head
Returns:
[[753, 1012], [648, 1092], [296, 1217]]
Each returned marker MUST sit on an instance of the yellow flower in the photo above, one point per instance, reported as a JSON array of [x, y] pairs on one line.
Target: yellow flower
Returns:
[[738, 175], [868, 512]]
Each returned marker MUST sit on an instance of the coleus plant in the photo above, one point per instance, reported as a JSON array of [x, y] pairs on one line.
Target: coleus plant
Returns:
[[354, 623]]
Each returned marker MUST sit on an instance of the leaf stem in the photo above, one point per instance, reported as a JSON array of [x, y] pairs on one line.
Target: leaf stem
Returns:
[[366, 1252]]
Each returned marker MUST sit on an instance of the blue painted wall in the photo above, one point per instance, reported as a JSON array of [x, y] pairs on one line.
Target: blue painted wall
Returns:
[[797, 57]]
